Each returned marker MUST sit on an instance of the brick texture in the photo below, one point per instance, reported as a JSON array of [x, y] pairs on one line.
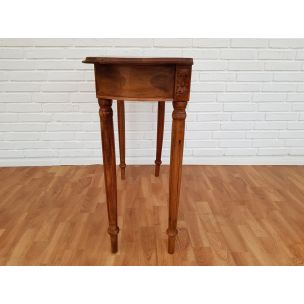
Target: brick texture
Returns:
[[246, 107]]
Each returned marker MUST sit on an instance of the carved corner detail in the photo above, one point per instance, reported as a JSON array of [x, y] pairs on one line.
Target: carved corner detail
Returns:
[[182, 83]]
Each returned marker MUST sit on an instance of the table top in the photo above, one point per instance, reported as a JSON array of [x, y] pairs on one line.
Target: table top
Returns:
[[139, 61]]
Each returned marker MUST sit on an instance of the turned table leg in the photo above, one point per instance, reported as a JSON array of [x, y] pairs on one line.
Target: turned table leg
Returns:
[[176, 158], [160, 135], [109, 164], [121, 136]]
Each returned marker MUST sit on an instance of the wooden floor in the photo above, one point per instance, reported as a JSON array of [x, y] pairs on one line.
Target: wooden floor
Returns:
[[229, 215]]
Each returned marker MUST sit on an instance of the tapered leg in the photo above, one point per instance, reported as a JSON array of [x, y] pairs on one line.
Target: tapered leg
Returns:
[[160, 135], [109, 164], [121, 136], [176, 158]]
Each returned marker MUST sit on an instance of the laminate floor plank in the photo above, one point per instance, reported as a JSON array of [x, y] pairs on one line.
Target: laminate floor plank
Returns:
[[228, 215]]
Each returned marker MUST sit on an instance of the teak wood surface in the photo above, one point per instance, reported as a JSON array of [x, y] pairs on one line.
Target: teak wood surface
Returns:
[[229, 215], [144, 79]]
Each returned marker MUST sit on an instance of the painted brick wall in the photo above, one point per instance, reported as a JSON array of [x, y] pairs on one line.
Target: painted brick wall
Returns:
[[247, 101]]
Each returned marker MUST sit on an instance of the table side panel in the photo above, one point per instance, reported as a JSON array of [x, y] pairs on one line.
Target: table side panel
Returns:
[[135, 82]]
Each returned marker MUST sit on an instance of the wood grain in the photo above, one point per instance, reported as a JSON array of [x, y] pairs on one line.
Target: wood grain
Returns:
[[228, 215], [134, 82]]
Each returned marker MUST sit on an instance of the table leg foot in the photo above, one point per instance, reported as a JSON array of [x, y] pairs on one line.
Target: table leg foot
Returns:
[[122, 171], [171, 240], [157, 167], [113, 232]]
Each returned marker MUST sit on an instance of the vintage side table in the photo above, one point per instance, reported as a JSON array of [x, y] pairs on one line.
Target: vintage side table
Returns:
[[143, 79]]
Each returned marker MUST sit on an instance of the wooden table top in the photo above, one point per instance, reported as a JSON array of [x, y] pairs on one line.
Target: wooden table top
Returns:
[[140, 61]]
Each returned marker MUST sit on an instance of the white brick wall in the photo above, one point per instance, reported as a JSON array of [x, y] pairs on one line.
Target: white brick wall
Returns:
[[247, 101]]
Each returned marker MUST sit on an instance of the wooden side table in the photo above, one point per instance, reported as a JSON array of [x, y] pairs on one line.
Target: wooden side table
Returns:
[[144, 79]]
